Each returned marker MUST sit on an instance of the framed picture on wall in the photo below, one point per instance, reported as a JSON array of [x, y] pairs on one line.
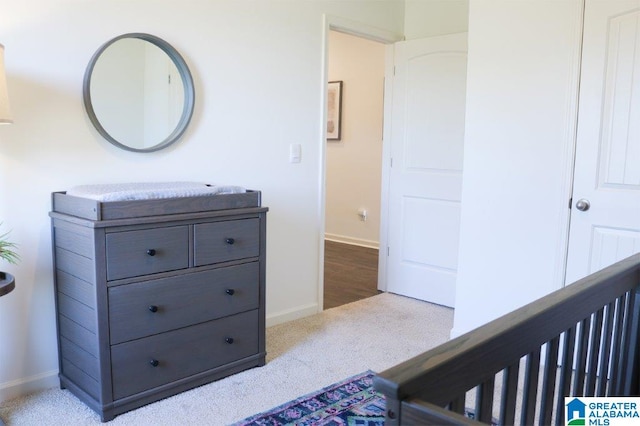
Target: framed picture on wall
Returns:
[[334, 111]]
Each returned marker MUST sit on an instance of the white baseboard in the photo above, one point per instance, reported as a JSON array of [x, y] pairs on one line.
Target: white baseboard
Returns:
[[353, 241], [292, 314], [27, 385]]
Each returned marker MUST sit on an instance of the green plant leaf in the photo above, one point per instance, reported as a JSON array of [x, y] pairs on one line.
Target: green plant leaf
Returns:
[[7, 249]]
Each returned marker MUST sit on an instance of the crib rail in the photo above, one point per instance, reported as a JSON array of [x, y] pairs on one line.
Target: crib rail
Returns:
[[581, 340]]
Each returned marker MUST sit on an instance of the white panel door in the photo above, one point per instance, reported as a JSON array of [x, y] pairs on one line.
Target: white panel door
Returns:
[[605, 211], [427, 137]]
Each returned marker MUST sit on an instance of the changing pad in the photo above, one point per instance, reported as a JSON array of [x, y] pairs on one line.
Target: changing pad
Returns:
[[150, 190]]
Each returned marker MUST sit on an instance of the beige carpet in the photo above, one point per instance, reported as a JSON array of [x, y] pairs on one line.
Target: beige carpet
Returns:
[[302, 356]]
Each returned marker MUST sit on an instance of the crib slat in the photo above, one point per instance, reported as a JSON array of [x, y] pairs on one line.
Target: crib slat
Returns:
[[458, 405], [594, 349], [509, 394], [484, 401], [566, 369], [530, 390], [630, 348], [603, 366], [549, 381], [624, 347], [622, 353], [581, 354], [616, 345]]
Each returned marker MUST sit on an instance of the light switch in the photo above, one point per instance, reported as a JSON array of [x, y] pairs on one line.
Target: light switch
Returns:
[[295, 153]]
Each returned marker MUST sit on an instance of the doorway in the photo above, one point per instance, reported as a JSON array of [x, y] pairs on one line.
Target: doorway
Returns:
[[353, 169]]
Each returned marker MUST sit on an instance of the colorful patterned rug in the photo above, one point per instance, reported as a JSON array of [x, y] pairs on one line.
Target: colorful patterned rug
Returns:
[[350, 402]]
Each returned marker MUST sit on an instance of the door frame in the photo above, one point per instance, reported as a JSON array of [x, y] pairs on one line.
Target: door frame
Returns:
[[572, 147], [357, 29]]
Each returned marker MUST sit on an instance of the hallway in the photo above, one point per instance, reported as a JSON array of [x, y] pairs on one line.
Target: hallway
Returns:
[[350, 273]]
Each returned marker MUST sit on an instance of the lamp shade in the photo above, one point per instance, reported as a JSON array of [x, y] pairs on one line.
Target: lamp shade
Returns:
[[5, 113]]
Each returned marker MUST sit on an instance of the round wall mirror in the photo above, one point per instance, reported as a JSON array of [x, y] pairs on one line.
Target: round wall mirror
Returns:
[[138, 92]]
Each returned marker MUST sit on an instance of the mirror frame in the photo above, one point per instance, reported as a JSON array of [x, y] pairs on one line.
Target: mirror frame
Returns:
[[187, 81]]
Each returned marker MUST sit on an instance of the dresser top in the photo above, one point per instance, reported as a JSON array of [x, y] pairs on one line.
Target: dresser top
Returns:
[[95, 210]]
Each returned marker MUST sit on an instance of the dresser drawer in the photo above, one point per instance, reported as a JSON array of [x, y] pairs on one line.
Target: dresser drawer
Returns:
[[151, 307], [229, 240], [148, 251], [153, 361]]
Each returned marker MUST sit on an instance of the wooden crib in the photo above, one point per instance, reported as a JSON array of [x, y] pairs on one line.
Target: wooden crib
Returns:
[[581, 340]]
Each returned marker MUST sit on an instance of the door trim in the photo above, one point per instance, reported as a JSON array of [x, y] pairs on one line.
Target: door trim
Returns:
[[570, 155], [385, 181], [357, 29]]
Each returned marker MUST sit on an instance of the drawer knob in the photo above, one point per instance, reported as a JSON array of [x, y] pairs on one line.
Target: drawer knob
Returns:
[[151, 252], [229, 340], [154, 362], [153, 308], [230, 291], [230, 241]]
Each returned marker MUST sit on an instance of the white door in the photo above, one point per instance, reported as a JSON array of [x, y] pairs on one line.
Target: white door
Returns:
[[605, 211], [425, 179]]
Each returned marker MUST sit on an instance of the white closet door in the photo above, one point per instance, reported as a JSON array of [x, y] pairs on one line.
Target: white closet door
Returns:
[[605, 215]]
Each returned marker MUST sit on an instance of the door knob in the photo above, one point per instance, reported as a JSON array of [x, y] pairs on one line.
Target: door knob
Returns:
[[583, 205]]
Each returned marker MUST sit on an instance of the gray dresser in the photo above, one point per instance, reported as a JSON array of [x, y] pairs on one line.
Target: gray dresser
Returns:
[[155, 297]]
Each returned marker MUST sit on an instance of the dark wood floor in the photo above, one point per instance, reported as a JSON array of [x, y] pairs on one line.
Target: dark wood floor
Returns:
[[350, 273]]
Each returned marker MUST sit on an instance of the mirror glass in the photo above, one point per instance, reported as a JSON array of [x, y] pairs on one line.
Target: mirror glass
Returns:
[[138, 92]]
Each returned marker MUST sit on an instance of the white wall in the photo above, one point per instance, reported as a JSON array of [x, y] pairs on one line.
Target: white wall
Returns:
[[521, 109], [259, 80], [353, 164], [435, 17]]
